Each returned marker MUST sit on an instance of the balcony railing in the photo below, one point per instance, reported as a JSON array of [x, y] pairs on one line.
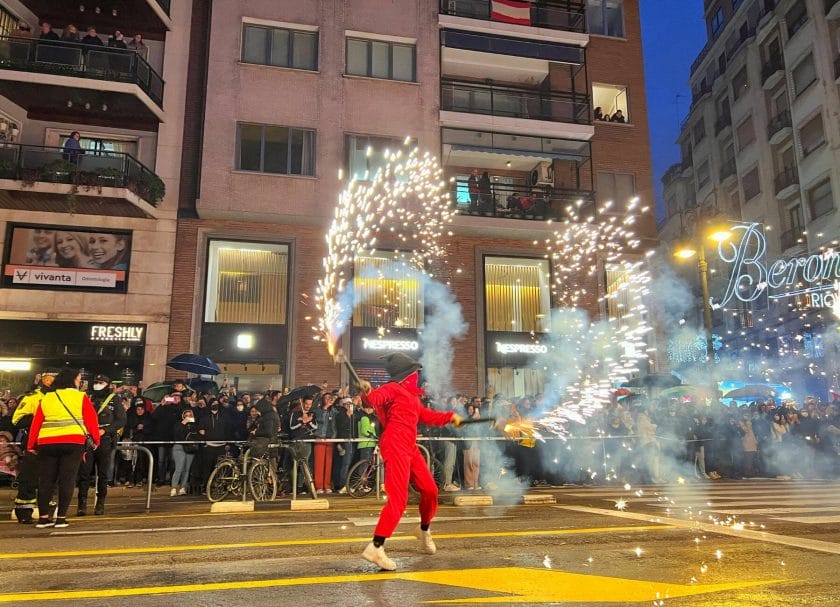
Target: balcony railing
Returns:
[[778, 122], [792, 238], [80, 61], [723, 121], [771, 66], [569, 15], [727, 168], [497, 100], [745, 33], [35, 163], [511, 201], [788, 177]]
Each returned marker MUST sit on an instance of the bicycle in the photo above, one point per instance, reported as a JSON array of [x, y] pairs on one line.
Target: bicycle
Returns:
[[364, 474], [230, 477]]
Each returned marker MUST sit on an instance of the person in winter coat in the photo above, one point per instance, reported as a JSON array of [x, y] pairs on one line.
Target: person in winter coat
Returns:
[[325, 417], [215, 429], [139, 428], [183, 454], [399, 409]]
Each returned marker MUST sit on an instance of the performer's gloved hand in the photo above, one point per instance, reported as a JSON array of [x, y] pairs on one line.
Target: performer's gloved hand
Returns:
[[456, 420], [364, 387]]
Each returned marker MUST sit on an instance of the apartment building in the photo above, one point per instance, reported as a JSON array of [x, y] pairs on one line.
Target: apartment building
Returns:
[[90, 148], [760, 145], [300, 95]]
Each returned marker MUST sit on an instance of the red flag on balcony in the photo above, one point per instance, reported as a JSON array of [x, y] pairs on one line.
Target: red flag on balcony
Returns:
[[511, 11]]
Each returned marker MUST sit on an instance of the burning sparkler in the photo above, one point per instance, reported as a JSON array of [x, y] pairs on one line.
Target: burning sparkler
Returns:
[[408, 201]]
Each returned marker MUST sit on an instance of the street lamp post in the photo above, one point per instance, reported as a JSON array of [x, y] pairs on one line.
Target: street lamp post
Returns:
[[703, 268]]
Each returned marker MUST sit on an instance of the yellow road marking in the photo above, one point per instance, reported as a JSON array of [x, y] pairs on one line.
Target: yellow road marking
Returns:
[[518, 584], [321, 541]]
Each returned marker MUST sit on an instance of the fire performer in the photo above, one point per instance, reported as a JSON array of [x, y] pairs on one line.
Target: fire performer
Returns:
[[399, 409]]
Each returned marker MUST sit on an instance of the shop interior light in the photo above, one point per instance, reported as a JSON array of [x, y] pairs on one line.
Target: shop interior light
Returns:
[[245, 341], [15, 364]]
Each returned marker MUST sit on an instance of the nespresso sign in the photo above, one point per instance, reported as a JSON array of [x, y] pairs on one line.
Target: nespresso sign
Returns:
[[367, 345], [120, 333], [508, 349], [390, 345]]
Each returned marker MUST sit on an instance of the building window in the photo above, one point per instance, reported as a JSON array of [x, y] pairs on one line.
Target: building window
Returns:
[[618, 188], [804, 75], [703, 174], [247, 283], [280, 47], [8, 22], [620, 294], [820, 199], [751, 185], [796, 17], [275, 149], [516, 293], [716, 23], [795, 216], [811, 136], [387, 294], [612, 99], [699, 131], [366, 155], [745, 133], [740, 84], [605, 17], [381, 59]]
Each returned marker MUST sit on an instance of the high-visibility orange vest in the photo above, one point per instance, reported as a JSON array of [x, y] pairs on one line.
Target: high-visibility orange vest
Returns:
[[57, 419]]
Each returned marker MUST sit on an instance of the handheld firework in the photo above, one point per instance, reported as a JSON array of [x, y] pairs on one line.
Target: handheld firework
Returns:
[[479, 420], [341, 358]]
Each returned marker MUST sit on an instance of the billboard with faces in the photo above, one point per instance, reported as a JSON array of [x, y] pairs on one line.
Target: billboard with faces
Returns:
[[66, 258]]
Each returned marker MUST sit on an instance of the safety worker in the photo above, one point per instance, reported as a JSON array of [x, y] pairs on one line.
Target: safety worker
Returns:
[[111, 415], [399, 409], [27, 477]]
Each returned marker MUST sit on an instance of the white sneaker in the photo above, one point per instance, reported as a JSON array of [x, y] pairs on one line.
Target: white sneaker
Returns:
[[426, 540], [378, 557], [182, 491], [173, 492], [451, 488], [342, 491]]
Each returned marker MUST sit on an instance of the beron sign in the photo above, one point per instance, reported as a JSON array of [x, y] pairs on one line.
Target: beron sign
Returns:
[[816, 276]]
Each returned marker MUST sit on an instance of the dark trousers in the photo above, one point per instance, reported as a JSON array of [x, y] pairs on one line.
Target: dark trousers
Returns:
[[27, 490], [341, 464], [164, 459], [101, 460], [57, 464], [209, 457]]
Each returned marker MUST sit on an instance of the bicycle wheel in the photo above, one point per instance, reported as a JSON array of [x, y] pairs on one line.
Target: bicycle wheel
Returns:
[[436, 469], [223, 480], [262, 481], [361, 480]]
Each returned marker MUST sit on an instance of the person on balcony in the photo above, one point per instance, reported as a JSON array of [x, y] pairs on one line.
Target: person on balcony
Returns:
[[70, 33], [138, 46], [598, 113], [618, 117], [92, 39], [484, 191], [72, 148], [117, 41], [47, 32], [472, 188]]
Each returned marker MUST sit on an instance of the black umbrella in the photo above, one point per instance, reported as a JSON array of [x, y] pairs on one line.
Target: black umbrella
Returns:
[[752, 392], [653, 380], [298, 393], [194, 363]]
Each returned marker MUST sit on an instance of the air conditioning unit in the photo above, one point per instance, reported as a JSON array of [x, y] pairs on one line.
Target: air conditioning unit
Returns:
[[542, 174]]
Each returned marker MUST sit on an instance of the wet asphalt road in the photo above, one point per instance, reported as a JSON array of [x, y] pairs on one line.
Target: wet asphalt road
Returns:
[[747, 543]]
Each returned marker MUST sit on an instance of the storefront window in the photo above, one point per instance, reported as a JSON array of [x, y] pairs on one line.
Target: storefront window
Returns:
[[386, 295], [619, 293], [515, 383], [247, 282], [516, 292]]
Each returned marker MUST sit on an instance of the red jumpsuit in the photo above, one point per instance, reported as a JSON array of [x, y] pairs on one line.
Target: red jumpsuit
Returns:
[[399, 409]]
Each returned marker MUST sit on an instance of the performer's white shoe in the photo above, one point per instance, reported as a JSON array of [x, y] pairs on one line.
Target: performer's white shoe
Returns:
[[426, 540], [378, 557]]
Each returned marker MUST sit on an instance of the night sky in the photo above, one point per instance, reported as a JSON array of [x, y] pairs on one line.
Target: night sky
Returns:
[[673, 33]]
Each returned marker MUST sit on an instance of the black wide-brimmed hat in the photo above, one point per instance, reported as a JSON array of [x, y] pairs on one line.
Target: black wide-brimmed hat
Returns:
[[399, 365]]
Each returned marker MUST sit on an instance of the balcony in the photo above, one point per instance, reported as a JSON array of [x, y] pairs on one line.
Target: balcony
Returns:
[[728, 170], [33, 177], [567, 16], [779, 127], [745, 33], [514, 102], [722, 123], [794, 237], [832, 9], [787, 183], [150, 17], [511, 201], [772, 71], [48, 78]]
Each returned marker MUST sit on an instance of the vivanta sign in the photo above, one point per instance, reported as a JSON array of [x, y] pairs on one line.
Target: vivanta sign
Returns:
[[816, 276]]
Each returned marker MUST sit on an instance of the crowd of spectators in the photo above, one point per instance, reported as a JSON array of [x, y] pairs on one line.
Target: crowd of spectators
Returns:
[[91, 37], [599, 115]]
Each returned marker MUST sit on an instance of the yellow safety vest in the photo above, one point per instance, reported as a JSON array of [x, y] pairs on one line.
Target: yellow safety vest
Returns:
[[57, 420], [27, 405]]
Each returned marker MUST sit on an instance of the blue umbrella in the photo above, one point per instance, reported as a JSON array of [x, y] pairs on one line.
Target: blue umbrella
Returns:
[[194, 363]]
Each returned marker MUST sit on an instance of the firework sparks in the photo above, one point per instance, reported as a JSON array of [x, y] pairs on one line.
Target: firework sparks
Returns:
[[409, 201]]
